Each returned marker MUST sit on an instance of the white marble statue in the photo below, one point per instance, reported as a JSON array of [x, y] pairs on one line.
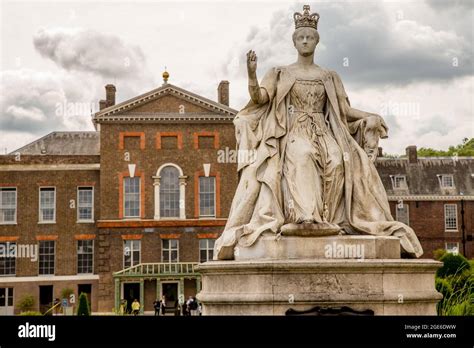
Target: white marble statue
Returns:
[[314, 154]]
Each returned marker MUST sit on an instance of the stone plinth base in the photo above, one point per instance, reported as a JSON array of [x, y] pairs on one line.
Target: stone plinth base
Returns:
[[329, 247], [271, 287]]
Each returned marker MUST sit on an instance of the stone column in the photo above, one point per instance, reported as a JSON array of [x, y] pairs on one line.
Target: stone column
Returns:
[[117, 295], [158, 288], [198, 284], [142, 295], [156, 185], [181, 290], [182, 196]]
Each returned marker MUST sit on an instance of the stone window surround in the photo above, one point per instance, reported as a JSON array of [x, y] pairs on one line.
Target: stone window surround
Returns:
[[93, 205], [40, 220], [8, 186], [441, 178], [407, 206], [182, 192], [93, 247], [402, 185], [206, 248], [47, 238], [446, 205], [133, 238], [210, 193], [170, 249], [121, 176], [10, 267], [217, 175], [450, 250]]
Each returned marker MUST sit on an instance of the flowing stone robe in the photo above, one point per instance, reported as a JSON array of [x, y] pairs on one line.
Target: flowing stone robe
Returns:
[[262, 130]]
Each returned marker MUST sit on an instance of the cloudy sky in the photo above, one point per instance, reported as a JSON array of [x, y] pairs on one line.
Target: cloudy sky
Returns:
[[410, 61]]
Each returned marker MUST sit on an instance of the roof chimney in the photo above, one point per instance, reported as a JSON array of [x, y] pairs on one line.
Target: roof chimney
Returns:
[[102, 104], [380, 152], [223, 93], [110, 95], [412, 154]]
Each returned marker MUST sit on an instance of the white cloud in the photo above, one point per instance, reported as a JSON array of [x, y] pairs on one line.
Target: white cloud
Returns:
[[89, 51]]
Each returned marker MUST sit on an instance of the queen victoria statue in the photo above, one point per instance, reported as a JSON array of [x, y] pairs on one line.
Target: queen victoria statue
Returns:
[[313, 169]]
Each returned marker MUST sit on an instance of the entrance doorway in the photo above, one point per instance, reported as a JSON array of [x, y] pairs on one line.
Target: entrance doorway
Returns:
[[170, 291], [45, 298], [6, 301], [131, 291]]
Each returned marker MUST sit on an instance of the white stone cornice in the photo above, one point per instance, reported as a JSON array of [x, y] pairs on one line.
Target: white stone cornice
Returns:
[[43, 167], [431, 198]]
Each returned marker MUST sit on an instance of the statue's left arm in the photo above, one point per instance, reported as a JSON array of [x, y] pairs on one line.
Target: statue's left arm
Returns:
[[367, 128]]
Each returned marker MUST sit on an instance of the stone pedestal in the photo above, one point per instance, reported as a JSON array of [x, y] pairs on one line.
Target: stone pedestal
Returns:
[[274, 276], [332, 247]]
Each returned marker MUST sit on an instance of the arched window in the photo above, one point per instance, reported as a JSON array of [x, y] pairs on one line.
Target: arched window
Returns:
[[169, 192]]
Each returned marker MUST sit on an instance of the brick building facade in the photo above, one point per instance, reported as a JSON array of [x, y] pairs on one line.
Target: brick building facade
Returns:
[[127, 211]]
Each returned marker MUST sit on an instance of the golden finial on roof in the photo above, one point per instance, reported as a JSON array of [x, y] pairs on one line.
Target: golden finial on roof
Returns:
[[166, 75]]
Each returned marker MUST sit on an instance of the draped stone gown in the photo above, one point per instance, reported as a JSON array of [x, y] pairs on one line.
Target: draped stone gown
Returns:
[[313, 170]]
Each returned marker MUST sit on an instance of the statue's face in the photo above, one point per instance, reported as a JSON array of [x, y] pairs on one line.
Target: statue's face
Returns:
[[305, 40]]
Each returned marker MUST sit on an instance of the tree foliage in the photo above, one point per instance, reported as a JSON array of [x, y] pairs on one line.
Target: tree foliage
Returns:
[[83, 307], [466, 148]]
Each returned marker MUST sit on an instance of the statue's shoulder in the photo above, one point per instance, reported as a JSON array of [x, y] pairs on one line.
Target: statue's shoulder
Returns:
[[334, 75]]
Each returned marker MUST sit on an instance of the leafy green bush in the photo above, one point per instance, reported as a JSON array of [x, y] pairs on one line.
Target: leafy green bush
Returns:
[[444, 287], [31, 313], [439, 253], [66, 292], [26, 303], [464, 308], [452, 265], [458, 292], [83, 307]]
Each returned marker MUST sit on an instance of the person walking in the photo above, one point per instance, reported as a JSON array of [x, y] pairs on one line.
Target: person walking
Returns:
[[193, 306], [163, 305], [156, 306], [135, 307]]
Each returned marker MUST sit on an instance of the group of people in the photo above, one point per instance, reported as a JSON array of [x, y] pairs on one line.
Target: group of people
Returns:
[[160, 306], [189, 308]]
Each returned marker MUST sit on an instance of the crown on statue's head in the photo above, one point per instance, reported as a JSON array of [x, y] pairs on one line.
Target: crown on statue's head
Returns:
[[306, 19]]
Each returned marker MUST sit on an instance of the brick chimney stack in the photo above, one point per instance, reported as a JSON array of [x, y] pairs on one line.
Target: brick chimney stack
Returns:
[[102, 104], [223, 93], [110, 95], [412, 154], [379, 152]]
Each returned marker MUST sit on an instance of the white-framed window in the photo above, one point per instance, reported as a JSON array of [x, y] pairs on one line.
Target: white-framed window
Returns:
[[451, 217], [446, 180], [207, 196], [7, 259], [8, 202], [85, 256], [131, 199], [85, 204], [403, 213], [206, 249], [46, 257], [399, 181], [47, 204], [131, 252], [452, 247], [169, 250], [169, 192]]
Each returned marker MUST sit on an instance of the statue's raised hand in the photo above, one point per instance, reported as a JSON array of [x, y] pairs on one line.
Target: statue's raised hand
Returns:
[[252, 64]]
